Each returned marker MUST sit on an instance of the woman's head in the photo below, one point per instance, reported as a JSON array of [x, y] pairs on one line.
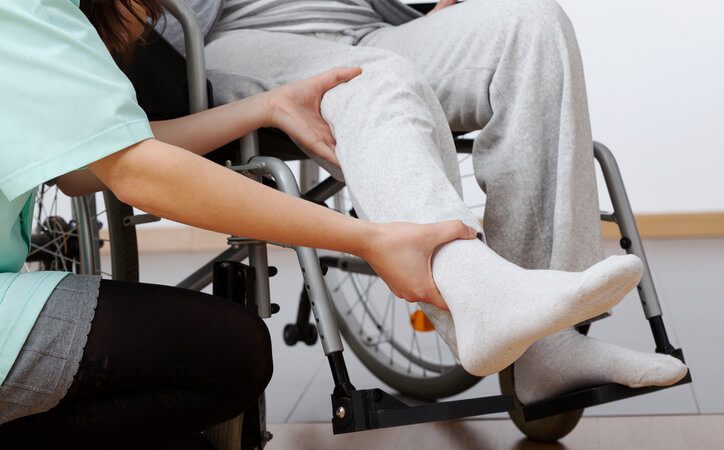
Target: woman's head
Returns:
[[120, 23]]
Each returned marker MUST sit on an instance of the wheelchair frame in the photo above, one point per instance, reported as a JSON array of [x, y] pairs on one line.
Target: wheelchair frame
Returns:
[[358, 410]]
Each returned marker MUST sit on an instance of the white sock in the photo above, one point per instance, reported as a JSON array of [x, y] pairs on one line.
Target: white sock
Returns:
[[500, 309], [568, 360]]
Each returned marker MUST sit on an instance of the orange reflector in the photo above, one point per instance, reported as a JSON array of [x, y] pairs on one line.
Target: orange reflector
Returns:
[[420, 322]]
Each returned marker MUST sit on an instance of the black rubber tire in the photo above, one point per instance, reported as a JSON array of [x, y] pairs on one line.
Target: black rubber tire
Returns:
[[310, 335], [548, 429], [123, 242], [291, 334]]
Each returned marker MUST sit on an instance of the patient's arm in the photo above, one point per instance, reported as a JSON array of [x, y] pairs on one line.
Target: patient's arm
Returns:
[[441, 4]]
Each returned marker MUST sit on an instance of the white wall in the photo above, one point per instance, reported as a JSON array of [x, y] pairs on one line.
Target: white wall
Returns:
[[655, 74]]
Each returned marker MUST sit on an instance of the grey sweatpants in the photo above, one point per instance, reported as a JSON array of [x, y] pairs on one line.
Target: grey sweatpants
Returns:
[[509, 67]]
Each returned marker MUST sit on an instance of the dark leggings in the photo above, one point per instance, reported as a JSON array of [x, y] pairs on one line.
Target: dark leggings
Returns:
[[161, 365]]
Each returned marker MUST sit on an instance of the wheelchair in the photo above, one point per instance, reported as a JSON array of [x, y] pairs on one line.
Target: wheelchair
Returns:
[[337, 296]]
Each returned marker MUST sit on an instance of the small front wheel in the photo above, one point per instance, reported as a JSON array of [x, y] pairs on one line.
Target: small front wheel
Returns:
[[547, 429]]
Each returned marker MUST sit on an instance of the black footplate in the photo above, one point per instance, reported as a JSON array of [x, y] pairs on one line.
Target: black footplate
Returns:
[[370, 409], [592, 396]]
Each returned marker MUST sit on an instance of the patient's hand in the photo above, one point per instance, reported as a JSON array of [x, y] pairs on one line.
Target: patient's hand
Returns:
[[401, 254], [295, 110], [441, 5]]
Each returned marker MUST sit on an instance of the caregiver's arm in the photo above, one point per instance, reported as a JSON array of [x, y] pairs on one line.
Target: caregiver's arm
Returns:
[[208, 130], [293, 108], [200, 133], [79, 182], [179, 185]]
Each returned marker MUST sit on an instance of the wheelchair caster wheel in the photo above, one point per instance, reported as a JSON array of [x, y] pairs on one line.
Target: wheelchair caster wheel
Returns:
[[291, 334], [294, 333], [310, 335], [547, 429]]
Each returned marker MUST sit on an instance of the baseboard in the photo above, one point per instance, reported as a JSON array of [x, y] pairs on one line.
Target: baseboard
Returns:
[[651, 226], [175, 239], [672, 226]]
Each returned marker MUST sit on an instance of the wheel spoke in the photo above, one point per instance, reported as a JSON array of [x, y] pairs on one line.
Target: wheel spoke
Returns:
[[384, 318], [409, 361], [59, 233], [392, 329], [439, 350], [359, 296], [63, 235], [56, 255], [339, 285]]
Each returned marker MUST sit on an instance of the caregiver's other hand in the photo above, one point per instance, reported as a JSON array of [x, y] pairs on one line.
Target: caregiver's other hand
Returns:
[[442, 4], [295, 109], [401, 254]]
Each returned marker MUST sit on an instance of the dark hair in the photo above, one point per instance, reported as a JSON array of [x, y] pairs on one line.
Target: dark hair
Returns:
[[108, 19]]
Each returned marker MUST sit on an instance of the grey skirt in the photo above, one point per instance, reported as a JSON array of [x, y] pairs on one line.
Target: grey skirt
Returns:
[[49, 359]]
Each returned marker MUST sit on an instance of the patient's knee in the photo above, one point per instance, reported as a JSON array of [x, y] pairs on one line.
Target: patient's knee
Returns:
[[387, 80]]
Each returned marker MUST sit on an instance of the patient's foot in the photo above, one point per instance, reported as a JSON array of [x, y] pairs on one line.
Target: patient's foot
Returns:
[[569, 360], [500, 309]]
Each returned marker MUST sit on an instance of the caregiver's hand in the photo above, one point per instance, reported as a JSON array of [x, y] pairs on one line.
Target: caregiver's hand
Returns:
[[401, 254], [295, 109]]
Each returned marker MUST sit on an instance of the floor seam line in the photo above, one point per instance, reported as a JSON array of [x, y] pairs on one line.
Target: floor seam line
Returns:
[[304, 391]]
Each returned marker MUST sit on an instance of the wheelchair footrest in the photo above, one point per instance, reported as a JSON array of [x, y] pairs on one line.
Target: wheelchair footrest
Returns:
[[592, 396], [369, 409]]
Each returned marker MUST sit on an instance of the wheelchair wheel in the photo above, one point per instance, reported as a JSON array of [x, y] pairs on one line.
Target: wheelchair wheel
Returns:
[[66, 236], [547, 429]]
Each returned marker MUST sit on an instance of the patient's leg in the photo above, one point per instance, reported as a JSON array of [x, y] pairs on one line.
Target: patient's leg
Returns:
[[513, 69], [568, 360], [400, 165]]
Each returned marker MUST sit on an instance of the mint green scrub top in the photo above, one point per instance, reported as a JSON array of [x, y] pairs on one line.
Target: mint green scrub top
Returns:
[[63, 104]]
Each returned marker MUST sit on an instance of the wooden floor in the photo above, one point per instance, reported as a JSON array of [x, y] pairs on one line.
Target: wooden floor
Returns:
[[694, 432]]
